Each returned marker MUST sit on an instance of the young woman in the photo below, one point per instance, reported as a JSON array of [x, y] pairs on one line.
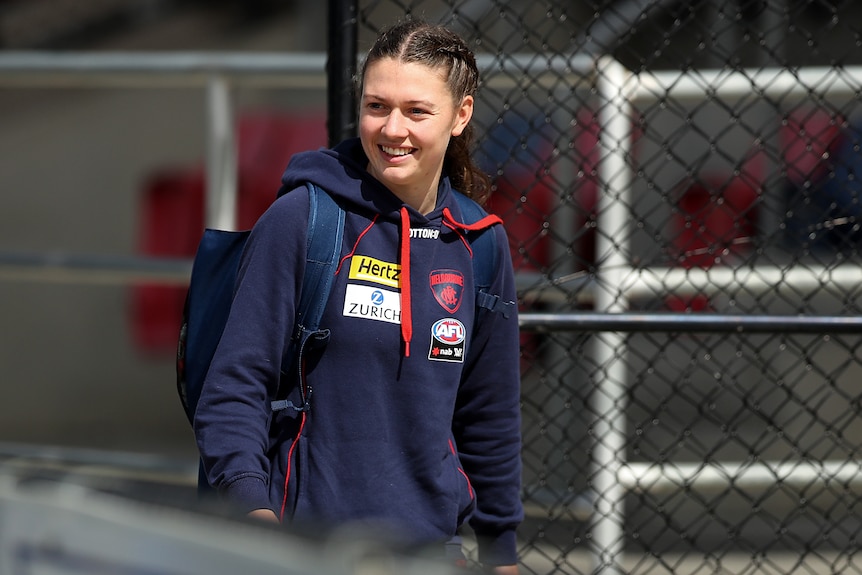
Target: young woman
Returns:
[[413, 421]]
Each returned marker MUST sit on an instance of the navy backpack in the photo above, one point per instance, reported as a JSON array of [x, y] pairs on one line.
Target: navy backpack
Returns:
[[211, 289]]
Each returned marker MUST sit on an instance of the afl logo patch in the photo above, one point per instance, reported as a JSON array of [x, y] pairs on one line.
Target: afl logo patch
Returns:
[[447, 340], [447, 285]]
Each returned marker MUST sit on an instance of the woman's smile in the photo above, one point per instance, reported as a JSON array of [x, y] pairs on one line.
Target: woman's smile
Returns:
[[396, 151]]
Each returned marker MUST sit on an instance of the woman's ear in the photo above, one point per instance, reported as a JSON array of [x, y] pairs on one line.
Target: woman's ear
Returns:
[[463, 115]]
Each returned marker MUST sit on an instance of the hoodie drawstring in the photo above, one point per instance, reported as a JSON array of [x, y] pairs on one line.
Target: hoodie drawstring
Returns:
[[406, 310], [404, 249], [453, 224]]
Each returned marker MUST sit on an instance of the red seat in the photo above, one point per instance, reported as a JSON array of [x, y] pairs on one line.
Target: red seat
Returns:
[[172, 213]]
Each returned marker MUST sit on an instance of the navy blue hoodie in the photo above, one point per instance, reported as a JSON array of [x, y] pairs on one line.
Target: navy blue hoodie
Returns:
[[414, 419]]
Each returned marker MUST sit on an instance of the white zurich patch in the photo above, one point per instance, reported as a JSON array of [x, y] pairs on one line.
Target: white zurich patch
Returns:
[[372, 303]]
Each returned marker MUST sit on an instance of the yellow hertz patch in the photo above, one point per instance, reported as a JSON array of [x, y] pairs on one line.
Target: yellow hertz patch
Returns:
[[377, 271]]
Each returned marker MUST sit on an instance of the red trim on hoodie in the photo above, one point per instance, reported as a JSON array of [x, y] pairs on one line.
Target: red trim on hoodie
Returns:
[[287, 473]]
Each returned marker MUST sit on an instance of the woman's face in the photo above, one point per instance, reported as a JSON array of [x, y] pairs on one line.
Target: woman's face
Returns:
[[407, 115]]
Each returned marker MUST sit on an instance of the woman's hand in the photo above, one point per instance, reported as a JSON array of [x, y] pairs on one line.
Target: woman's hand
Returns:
[[267, 515]]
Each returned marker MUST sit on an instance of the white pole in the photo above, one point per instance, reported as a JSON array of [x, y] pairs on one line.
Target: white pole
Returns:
[[612, 249], [221, 169]]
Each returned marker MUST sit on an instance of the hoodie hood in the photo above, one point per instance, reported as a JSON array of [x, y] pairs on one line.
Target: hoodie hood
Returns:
[[342, 172]]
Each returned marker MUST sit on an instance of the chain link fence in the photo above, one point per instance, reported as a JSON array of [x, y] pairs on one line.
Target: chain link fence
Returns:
[[696, 162]]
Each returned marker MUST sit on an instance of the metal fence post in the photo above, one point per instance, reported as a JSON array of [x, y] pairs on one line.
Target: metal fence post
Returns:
[[221, 168], [609, 393], [341, 70]]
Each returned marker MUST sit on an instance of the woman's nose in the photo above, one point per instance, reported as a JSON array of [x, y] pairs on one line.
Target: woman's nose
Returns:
[[395, 125]]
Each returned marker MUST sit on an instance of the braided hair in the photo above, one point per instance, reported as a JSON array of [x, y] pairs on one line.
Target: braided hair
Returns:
[[418, 42]]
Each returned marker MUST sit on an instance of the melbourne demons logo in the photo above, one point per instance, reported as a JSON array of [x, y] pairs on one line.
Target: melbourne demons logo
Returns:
[[447, 286]]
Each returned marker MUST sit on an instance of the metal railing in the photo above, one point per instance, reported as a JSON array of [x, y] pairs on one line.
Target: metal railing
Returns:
[[216, 74]]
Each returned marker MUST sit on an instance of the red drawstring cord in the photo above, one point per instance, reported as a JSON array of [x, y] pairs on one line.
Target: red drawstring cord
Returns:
[[406, 310], [451, 223]]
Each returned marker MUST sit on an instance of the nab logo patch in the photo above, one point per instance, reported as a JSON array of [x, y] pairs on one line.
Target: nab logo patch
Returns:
[[447, 340], [447, 285]]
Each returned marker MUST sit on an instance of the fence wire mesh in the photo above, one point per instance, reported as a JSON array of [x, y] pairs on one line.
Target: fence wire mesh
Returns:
[[698, 157]]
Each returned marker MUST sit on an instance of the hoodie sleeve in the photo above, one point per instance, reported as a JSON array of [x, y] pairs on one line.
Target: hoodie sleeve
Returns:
[[232, 418], [487, 422]]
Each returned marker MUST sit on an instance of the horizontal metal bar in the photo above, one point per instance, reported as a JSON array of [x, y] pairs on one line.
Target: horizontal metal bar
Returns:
[[744, 476], [273, 69], [748, 83], [649, 282], [796, 278], [307, 70], [654, 478], [93, 269], [534, 71], [86, 462], [532, 64], [688, 322]]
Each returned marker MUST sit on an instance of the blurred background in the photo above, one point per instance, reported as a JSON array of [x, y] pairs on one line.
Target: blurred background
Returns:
[[696, 160], [84, 365]]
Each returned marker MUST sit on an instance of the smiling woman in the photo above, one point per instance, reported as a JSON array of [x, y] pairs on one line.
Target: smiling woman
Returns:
[[414, 423]]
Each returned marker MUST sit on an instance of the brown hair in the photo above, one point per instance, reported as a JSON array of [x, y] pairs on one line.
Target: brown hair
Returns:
[[418, 42]]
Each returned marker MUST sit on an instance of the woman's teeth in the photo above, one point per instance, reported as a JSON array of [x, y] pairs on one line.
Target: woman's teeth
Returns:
[[396, 151]]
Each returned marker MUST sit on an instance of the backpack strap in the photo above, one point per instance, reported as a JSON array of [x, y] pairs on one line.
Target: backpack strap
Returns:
[[485, 258], [325, 231]]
